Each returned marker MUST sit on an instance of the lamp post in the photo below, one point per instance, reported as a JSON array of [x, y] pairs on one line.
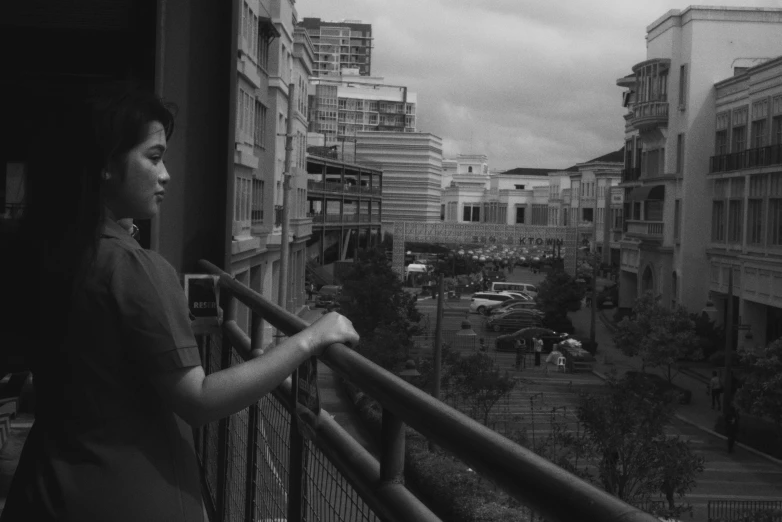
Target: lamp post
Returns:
[[729, 328]]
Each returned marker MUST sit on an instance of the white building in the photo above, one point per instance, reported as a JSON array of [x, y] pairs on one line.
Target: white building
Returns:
[[669, 137]]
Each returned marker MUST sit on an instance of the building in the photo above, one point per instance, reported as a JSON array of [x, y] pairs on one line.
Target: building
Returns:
[[273, 56], [345, 203], [346, 104], [346, 44], [590, 201], [412, 164], [745, 195], [669, 129]]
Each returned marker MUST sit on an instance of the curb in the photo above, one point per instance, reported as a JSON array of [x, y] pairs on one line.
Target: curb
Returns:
[[715, 434]]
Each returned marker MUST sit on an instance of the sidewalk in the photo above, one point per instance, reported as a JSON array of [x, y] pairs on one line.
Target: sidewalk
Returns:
[[698, 413]]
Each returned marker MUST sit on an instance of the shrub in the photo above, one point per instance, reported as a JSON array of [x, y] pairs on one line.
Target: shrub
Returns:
[[558, 322], [663, 386], [621, 313]]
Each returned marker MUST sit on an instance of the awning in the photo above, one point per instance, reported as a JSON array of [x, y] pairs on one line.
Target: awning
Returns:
[[648, 192]]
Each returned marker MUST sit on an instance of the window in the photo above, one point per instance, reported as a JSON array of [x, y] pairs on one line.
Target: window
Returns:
[[472, 213], [520, 215], [776, 131], [469, 170], [739, 133], [260, 124], [775, 210], [653, 210], [718, 210], [677, 219], [442, 212], [680, 153], [683, 87], [758, 134], [587, 215], [257, 206], [721, 143], [519, 187]]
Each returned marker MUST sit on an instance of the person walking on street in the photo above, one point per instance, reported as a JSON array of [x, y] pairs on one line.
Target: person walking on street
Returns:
[[731, 426], [519, 356], [538, 343], [715, 387]]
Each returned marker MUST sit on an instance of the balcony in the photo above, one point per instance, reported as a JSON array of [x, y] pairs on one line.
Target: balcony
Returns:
[[645, 229], [631, 174], [648, 115], [344, 218], [746, 159]]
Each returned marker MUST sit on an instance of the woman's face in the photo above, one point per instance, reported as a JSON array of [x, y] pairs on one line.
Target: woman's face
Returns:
[[137, 192]]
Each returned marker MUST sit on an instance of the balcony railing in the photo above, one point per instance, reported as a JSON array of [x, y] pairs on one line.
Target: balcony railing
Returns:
[[645, 229], [631, 174], [340, 188], [649, 114], [278, 459], [343, 218], [745, 159]]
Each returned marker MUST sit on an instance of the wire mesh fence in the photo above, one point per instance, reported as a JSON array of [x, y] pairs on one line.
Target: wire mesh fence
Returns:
[[745, 510], [241, 488]]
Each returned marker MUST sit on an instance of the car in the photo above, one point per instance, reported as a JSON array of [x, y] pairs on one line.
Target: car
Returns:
[[504, 286], [482, 302], [328, 296], [514, 304], [513, 320], [493, 275]]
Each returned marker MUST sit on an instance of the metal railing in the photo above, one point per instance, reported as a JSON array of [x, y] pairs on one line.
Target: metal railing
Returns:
[[266, 463], [340, 188], [738, 510], [745, 159], [645, 228]]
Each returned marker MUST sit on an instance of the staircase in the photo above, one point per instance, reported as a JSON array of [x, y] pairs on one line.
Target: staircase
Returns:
[[317, 274]]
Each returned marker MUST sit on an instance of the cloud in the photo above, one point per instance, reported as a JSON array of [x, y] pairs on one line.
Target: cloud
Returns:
[[528, 83]]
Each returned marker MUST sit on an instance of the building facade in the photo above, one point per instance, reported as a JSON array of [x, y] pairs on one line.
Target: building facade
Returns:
[[412, 164], [669, 137], [745, 189], [273, 56], [345, 44], [344, 105]]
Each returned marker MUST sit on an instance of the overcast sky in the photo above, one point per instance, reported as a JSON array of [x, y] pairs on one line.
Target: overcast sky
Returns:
[[529, 83]]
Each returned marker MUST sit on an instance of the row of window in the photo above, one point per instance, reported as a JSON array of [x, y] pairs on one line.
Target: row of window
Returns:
[[763, 200], [253, 40], [732, 127]]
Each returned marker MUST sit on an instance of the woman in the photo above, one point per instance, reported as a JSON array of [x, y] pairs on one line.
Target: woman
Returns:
[[118, 379]]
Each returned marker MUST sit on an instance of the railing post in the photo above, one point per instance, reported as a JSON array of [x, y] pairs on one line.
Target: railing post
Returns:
[[296, 460], [392, 449], [252, 428], [228, 304]]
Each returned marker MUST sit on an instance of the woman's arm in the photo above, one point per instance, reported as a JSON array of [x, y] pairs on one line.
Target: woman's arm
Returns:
[[200, 399]]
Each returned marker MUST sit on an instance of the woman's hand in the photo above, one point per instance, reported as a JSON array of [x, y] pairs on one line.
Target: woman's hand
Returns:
[[330, 328]]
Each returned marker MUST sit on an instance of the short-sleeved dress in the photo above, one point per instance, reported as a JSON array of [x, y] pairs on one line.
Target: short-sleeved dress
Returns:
[[104, 446]]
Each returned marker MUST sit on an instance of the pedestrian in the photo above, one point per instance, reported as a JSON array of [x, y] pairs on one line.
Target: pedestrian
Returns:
[[310, 289], [482, 342], [731, 426], [118, 376], [519, 355], [538, 344], [715, 387]]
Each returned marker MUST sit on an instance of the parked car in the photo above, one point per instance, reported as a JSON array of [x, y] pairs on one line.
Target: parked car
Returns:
[[514, 304], [608, 297], [504, 286], [482, 302], [506, 342], [513, 320]]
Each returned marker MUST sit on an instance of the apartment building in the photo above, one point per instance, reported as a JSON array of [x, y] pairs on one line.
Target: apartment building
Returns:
[[412, 164], [273, 56], [745, 195], [669, 130], [346, 104], [344, 44]]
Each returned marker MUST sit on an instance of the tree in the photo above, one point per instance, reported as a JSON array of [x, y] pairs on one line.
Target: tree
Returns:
[[761, 392], [559, 293], [661, 337], [626, 427], [480, 384], [383, 314]]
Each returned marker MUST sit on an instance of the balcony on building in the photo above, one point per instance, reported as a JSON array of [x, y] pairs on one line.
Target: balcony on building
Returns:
[[649, 95], [644, 212], [746, 159]]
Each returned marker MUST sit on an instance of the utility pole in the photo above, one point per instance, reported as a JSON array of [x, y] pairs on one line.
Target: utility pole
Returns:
[[594, 278], [728, 386], [438, 343], [282, 297]]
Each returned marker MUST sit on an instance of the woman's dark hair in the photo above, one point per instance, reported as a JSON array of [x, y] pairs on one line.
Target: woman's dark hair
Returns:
[[76, 139]]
